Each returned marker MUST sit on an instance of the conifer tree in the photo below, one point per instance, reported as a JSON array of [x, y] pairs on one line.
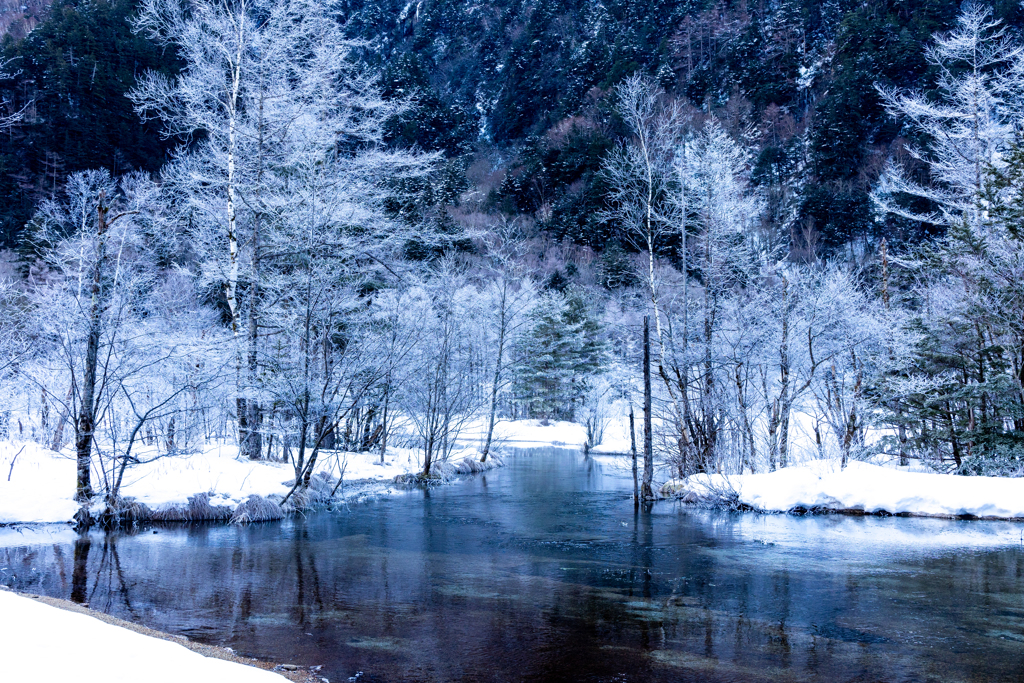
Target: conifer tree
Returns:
[[559, 356]]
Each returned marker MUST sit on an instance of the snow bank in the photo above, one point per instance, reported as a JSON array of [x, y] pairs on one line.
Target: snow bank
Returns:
[[527, 433], [41, 642], [861, 487], [850, 536], [41, 484], [48, 534], [36, 484], [231, 480]]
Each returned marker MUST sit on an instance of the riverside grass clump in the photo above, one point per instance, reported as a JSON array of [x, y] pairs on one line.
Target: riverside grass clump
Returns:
[[124, 512], [128, 511], [198, 509], [318, 494], [701, 491], [121, 512], [444, 471], [257, 509]]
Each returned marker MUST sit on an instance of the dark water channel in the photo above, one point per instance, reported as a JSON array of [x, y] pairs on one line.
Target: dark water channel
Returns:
[[542, 572]]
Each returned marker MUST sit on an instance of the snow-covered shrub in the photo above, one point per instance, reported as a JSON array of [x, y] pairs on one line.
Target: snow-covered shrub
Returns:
[[1005, 461], [702, 490], [472, 465]]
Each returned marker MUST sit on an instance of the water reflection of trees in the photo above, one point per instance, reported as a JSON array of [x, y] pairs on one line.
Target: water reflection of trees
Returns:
[[441, 591], [80, 573], [110, 590]]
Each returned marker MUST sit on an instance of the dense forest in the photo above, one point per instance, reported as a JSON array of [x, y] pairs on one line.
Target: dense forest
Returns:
[[307, 227], [519, 98]]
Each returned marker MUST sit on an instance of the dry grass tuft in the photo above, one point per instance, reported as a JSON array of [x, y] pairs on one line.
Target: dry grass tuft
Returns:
[[257, 509], [124, 511], [317, 494], [472, 465], [441, 472], [198, 509]]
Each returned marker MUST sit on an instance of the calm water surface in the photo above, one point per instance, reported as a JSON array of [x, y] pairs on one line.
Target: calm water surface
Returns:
[[543, 572]]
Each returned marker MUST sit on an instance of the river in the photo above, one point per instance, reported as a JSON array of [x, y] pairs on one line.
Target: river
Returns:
[[543, 571]]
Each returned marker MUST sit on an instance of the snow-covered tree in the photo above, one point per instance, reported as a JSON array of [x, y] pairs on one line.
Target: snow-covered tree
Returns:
[[959, 395], [639, 177], [509, 297], [98, 322], [291, 130], [88, 238], [715, 212], [980, 77], [443, 390], [558, 356]]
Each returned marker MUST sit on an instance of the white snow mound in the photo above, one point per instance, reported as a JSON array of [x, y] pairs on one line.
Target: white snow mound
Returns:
[[864, 487], [41, 642]]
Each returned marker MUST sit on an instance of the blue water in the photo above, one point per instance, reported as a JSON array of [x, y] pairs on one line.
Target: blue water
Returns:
[[543, 571]]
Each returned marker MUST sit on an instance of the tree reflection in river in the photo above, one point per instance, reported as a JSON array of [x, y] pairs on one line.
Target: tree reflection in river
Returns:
[[80, 575]]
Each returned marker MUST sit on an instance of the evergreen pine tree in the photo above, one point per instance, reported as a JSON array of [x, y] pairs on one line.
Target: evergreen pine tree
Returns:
[[559, 357]]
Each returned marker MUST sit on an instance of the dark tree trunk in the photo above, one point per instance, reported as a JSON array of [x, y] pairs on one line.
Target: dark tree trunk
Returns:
[[85, 426], [632, 450], [242, 413], [170, 443], [646, 491], [251, 446], [901, 433], [254, 447], [494, 386], [44, 417], [384, 419], [785, 400]]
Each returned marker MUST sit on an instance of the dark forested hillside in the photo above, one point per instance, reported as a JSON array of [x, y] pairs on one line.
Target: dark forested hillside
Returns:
[[72, 71], [519, 95], [794, 78]]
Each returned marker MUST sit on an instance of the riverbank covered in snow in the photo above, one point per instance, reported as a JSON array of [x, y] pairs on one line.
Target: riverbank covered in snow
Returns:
[[37, 484], [860, 488], [31, 627]]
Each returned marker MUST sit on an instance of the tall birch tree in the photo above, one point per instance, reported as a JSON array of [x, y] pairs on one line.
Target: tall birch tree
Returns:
[[276, 99]]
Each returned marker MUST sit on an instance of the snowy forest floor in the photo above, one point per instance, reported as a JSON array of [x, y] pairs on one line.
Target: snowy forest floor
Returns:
[[37, 484], [32, 625]]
